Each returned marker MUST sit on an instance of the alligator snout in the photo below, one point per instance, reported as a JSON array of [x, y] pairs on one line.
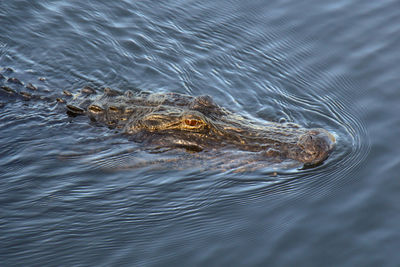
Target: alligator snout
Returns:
[[315, 145]]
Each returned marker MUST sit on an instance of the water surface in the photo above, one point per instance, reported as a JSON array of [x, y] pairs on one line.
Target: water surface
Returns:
[[72, 193]]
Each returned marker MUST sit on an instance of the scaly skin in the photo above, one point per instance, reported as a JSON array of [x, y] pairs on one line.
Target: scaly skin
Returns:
[[197, 123], [194, 123]]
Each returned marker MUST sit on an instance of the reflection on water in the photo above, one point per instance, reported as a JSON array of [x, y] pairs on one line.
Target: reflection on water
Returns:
[[248, 130], [73, 193]]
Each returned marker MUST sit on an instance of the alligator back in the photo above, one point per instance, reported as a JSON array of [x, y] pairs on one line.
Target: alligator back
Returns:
[[172, 120]]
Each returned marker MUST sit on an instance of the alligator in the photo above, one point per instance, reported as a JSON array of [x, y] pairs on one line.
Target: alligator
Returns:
[[195, 123]]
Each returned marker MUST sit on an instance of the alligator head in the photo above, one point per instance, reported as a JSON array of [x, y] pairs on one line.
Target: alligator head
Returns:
[[197, 124]]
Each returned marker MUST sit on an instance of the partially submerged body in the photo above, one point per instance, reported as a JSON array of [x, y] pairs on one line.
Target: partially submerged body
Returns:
[[197, 124], [174, 120]]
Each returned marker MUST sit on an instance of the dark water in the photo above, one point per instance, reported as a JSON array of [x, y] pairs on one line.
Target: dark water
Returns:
[[73, 194]]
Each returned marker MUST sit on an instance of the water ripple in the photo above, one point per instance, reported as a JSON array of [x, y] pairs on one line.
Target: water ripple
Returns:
[[67, 183]]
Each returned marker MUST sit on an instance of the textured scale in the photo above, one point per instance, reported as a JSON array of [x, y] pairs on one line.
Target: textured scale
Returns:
[[197, 123], [174, 120]]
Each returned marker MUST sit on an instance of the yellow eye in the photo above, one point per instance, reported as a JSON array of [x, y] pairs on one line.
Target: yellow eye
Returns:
[[192, 122]]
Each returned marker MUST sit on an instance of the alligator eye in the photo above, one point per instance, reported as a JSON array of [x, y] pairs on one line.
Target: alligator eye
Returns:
[[192, 122]]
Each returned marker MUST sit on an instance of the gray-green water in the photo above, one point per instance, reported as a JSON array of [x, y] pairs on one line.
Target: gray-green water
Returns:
[[75, 194]]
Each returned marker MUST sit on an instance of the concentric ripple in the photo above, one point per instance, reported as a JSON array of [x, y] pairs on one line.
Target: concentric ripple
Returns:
[[67, 183]]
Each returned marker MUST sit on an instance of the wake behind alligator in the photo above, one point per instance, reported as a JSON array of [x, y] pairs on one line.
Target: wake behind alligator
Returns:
[[195, 123]]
